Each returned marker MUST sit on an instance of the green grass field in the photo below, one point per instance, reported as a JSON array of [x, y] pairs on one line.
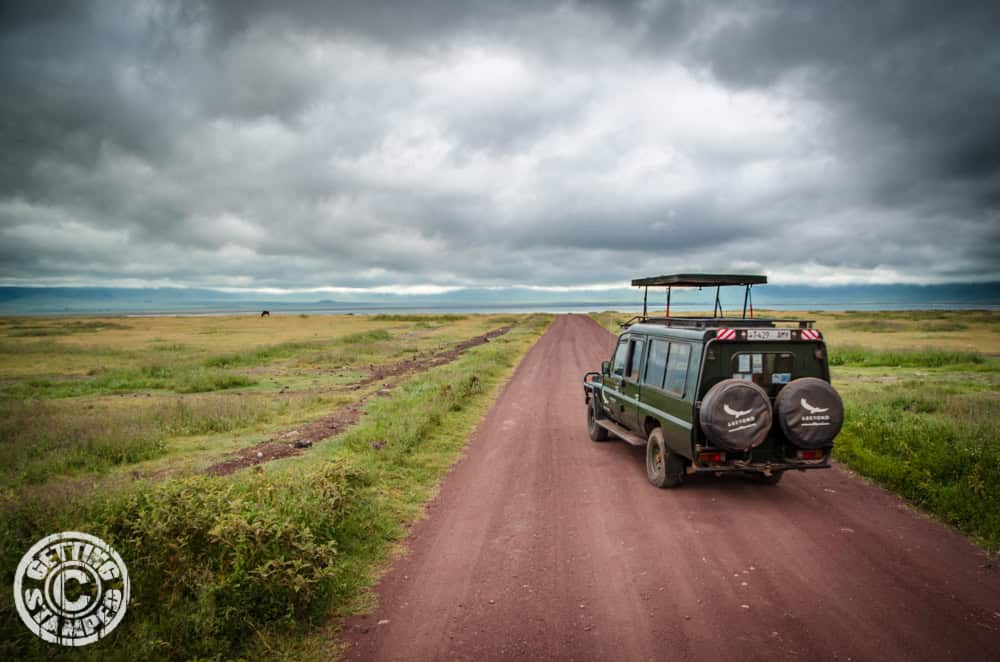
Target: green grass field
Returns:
[[107, 426], [922, 394]]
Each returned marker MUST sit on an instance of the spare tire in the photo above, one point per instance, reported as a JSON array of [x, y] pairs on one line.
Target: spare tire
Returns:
[[810, 412], [735, 415]]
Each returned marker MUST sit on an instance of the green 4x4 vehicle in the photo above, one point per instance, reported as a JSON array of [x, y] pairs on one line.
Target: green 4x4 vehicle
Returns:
[[717, 394]]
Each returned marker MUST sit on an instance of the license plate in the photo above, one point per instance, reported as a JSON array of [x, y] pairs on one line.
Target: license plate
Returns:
[[769, 334]]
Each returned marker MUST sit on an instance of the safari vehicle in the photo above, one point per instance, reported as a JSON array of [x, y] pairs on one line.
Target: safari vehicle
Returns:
[[716, 394]]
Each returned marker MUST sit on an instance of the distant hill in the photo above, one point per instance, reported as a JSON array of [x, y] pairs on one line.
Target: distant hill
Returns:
[[115, 301]]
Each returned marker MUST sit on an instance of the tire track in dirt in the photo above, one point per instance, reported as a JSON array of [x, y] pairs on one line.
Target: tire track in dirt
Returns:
[[295, 441], [545, 545]]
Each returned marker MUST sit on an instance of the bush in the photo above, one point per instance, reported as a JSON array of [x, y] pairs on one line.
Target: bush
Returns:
[[211, 561]]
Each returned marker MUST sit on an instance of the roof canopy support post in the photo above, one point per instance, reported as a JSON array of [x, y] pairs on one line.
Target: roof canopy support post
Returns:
[[645, 294], [668, 300], [746, 298], [717, 311], [750, 296]]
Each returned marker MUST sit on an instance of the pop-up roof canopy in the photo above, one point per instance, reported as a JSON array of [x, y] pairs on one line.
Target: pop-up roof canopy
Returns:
[[699, 280]]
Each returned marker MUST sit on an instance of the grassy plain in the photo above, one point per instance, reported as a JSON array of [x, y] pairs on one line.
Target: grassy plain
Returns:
[[108, 425], [922, 393]]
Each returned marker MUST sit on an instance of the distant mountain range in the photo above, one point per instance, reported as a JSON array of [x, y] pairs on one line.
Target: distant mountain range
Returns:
[[116, 301]]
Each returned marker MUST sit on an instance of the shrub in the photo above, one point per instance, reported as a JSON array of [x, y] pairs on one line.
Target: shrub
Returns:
[[211, 561]]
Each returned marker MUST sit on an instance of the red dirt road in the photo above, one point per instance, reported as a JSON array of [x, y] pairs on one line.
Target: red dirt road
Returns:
[[545, 545]]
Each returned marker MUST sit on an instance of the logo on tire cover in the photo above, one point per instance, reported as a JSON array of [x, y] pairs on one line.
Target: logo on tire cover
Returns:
[[815, 417], [741, 418], [736, 414], [813, 410]]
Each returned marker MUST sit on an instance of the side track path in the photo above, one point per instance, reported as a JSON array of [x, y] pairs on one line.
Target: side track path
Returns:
[[545, 545], [304, 436]]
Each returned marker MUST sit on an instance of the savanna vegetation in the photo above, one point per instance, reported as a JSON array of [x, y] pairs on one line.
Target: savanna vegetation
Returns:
[[108, 426], [922, 393]]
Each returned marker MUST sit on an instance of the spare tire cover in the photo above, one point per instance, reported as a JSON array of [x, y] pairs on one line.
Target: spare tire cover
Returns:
[[735, 415], [810, 412]]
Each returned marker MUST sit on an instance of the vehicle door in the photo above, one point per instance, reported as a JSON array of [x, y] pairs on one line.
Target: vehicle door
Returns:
[[630, 384], [614, 406]]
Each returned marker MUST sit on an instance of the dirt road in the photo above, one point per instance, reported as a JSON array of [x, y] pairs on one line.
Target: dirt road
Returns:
[[545, 545]]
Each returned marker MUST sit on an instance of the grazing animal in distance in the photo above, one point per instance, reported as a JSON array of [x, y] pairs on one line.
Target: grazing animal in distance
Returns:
[[266, 313]]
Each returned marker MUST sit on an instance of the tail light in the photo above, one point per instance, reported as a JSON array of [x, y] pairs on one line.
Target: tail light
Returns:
[[711, 458], [810, 455]]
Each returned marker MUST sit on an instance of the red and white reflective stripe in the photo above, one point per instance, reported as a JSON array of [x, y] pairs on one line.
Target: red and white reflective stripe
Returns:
[[810, 334], [725, 334]]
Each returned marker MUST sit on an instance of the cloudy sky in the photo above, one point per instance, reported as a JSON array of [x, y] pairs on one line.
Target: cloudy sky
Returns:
[[435, 144]]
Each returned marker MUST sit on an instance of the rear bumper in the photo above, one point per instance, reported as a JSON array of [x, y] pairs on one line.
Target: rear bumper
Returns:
[[766, 467]]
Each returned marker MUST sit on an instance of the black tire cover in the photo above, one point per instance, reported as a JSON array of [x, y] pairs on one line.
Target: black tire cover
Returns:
[[735, 415], [810, 411]]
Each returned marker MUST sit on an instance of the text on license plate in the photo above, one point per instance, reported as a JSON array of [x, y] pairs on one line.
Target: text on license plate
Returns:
[[769, 334]]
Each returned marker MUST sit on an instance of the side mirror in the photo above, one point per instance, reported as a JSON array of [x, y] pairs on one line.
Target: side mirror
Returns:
[[605, 367]]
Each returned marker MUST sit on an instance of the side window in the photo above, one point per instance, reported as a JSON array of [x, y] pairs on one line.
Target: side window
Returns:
[[656, 364], [635, 354], [677, 367], [618, 365]]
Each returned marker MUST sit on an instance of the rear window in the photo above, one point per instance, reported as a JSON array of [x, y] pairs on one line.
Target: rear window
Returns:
[[770, 370]]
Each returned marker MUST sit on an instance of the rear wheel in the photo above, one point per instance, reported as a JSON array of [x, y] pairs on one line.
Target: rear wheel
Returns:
[[664, 468], [597, 433]]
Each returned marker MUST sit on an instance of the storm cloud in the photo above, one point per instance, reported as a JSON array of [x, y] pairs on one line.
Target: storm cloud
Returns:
[[445, 144]]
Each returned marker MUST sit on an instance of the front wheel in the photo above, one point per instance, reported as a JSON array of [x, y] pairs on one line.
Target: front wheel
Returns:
[[664, 468], [597, 433]]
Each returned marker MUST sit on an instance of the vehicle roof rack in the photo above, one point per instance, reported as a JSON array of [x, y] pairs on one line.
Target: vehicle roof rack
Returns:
[[718, 316], [700, 280]]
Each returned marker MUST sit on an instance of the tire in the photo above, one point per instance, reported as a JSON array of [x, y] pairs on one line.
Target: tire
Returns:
[[597, 433], [664, 468], [736, 415], [810, 412], [773, 479]]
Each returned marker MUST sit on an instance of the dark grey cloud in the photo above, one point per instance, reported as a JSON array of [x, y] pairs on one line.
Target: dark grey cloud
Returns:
[[355, 144]]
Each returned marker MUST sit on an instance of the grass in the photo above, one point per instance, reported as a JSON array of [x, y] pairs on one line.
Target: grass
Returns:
[[926, 358], [154, 376], [417, 318], [30, 330], [93, 435], [256, 562], [936, 442], [261, 355]]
